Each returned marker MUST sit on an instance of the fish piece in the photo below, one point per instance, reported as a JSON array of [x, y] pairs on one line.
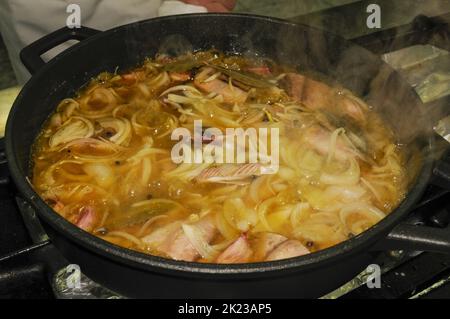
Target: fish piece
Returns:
[[132, 78], [229, 173], [266, 242], [238, 252], [317, 95], [179, 76], [159, 238], [173, 242], [86, 218], [230, 94], [352, 108], [313, 94], [183, 249], [318, 138], [92, 146], [288, 249], [75, 128], [260, 70], [295, 83]]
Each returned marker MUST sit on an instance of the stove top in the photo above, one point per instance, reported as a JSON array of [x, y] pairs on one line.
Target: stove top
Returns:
[[30, 266]]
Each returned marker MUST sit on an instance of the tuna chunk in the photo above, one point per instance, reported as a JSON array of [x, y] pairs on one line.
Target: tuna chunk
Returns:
[[230, 94], [173, 242], [318, 95], [265, 243], [237, 252], [86, 219], [287, 249], [179, 76], [229, 173], [319, 139], [312, 93]]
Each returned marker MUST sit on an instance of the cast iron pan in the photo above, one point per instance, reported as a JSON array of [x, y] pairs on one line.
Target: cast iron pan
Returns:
[[138, 275]]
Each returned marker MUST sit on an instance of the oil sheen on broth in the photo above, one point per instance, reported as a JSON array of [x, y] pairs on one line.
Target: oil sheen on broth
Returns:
[[103, 161]]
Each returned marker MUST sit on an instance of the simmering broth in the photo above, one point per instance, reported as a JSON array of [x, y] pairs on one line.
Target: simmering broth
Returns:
[[104, 161]]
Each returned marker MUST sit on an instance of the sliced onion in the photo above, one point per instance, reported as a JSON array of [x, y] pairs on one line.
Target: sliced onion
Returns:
[[299, 213], [112, 150], [237, 214], [344, 193], [180, 88], [263, 209], [158, 128], [76, 191], [371, 188], [159, 81], [48, 173], [197, 239], [225, 228], [146, 171], [349, 177], [157, 204], [148, 223], [101, 172], [75, 128], [371, 214], [106, 96], [212, 77], [144, 152], [66, 108], [121, 126], [333, 141]]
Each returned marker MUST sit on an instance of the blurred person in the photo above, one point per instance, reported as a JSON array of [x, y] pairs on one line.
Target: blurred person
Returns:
[[25, 21]]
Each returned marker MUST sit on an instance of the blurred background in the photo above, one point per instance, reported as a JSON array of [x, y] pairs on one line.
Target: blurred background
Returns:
[[344, 17]]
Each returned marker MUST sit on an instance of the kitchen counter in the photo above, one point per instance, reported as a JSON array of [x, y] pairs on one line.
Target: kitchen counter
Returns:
[[7, 97]]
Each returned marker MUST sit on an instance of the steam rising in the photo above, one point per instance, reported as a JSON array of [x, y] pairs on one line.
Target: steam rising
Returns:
[[311, 51]]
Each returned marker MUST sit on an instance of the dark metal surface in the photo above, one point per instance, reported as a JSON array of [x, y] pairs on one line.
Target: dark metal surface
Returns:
[[31, 55], [422, 30], [411, 278], [13, 235]]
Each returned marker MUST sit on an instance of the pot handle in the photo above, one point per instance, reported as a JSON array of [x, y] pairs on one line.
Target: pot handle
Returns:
[[441, 173], [410, 235], [416, 238], [31, 54]]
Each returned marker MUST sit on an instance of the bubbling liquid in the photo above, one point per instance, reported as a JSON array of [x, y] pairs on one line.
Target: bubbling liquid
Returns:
[[103, 161]]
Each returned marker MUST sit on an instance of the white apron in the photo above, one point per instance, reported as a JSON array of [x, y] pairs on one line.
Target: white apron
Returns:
[[24, 21]]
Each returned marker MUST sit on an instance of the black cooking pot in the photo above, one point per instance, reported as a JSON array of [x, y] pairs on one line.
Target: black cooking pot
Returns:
[[138, 275]]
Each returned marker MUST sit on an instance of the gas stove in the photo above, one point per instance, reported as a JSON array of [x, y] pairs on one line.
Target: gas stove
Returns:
[[31, 267]]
